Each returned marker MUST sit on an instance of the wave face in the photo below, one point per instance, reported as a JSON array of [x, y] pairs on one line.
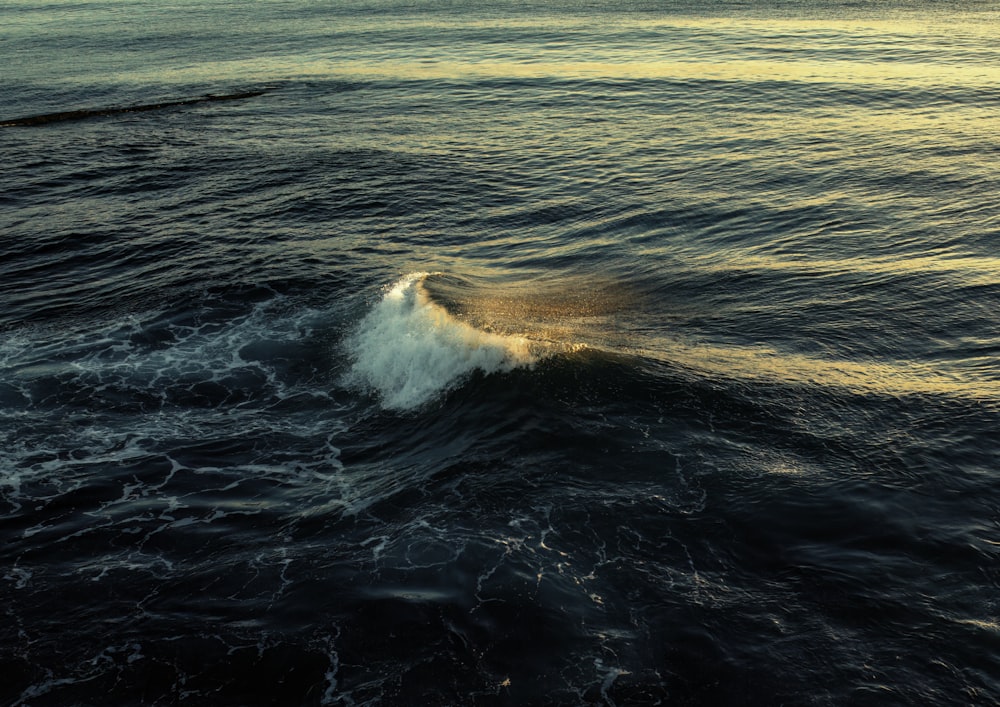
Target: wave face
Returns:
[[536, 353]]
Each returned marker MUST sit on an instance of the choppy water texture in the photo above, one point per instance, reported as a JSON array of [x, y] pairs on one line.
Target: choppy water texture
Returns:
[[512, 354]]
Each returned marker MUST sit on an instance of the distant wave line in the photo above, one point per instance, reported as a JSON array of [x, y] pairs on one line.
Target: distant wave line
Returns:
[[46, 118]]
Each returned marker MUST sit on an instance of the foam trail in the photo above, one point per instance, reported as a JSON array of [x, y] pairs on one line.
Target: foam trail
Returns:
[[409, 349]]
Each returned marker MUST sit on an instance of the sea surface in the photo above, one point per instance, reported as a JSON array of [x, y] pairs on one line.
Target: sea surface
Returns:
[[507, 353]]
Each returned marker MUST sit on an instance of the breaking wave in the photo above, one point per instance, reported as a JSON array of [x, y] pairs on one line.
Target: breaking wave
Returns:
[[409, 350]]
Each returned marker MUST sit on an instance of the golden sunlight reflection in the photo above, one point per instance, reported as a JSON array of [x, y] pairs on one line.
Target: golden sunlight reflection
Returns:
[[974, 270], [879, 377], [627, 67], [579, 314], [786, 44], [570, 312]]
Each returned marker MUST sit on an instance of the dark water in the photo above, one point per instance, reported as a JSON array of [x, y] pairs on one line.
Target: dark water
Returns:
[[560, 354]]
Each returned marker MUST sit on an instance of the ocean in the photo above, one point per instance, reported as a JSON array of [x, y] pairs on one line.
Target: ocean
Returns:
[[557, 352]]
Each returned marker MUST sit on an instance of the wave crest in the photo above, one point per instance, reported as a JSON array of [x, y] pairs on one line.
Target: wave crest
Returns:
[[410, 350]]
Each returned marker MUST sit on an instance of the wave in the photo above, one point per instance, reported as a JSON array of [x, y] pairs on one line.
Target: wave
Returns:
[[409, 349], [430, 332], [64, 116]]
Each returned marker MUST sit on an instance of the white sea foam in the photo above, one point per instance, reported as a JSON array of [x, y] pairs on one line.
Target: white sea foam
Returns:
[[410, 350], [63, 393]]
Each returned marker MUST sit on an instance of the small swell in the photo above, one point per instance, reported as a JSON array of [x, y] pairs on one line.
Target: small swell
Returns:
[[64, 116]]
